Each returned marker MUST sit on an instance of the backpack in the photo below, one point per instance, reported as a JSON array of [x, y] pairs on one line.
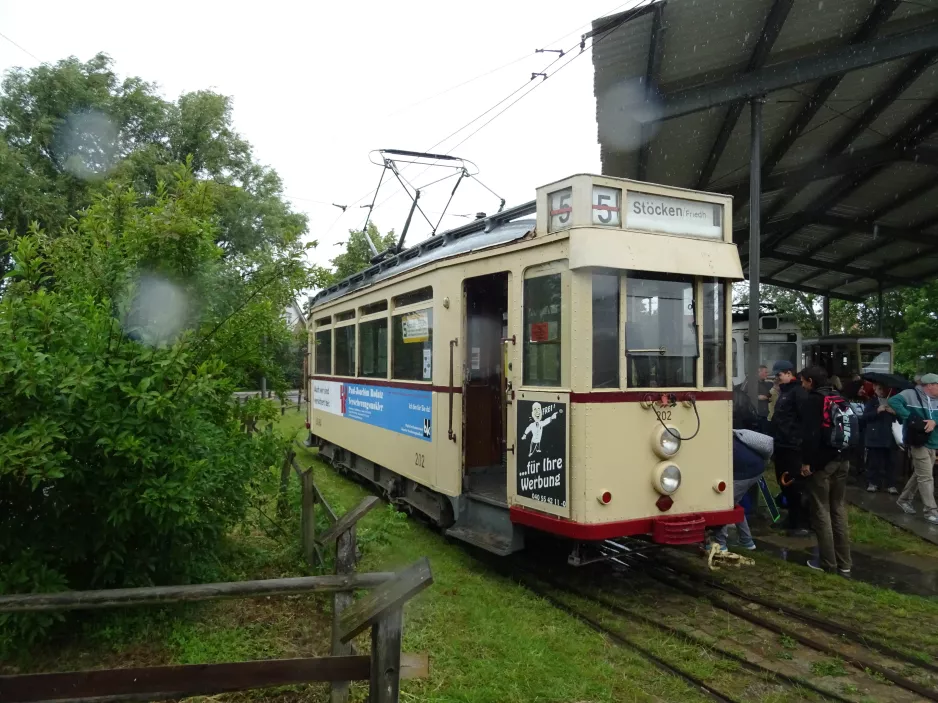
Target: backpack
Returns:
[[840, 426], [913, 431]]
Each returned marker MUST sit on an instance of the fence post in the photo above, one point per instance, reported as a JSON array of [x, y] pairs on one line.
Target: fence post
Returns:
[[382, 611], [386, 657], [344, 564], [343, 532], [308, 517]]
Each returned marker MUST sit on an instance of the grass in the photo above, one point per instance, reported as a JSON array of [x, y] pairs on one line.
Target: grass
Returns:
[[489, 639], [871, 531]]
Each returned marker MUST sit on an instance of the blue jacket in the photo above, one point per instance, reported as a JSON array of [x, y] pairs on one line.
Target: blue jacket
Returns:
[[877, 426], [746, 463]]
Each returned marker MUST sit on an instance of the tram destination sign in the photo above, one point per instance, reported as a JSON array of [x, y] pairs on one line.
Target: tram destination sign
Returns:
[[657, 213], [542, 452]]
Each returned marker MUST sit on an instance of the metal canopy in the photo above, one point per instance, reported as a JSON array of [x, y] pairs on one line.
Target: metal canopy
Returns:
[[849, 152]]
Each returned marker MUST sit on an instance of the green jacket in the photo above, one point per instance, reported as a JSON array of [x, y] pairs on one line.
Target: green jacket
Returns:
[[917, 401]]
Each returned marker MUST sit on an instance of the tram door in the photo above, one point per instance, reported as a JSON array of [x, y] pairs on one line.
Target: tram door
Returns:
[[484, 421]]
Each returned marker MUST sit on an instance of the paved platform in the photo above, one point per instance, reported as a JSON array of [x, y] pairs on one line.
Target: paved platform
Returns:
[[884, 505]]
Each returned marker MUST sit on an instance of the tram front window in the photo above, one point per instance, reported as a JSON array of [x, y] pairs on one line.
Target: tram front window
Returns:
[[877, 359], [660, 332], [714, 334]]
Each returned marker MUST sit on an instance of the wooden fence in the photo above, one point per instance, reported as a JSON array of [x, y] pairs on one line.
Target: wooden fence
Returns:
[[380, 610]]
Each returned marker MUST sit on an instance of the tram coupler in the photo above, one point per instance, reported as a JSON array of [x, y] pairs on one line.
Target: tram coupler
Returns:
[[584, 553]]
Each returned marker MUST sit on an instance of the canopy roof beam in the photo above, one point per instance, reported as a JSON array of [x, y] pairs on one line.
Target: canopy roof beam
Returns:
[[810, 289], [798, 71], [655, 52], [770, 31], [830, 166], [917, 129], [883, 101]]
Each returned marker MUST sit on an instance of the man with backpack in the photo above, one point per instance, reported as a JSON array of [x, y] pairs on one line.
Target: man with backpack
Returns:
[[830, 429], [917, 408]]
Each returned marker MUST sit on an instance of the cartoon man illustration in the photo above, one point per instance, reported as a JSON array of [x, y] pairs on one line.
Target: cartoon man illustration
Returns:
[[536, 428]]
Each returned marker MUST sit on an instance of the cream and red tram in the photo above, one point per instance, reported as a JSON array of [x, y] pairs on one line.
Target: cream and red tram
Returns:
[[566, 374]]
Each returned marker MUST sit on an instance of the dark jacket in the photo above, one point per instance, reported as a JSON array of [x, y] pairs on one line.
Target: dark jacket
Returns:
[[877, 426], [813, 451], [746, 463], [765, 387], [787, 424]]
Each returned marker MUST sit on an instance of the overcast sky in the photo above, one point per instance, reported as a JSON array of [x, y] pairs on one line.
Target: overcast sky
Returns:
[[316, 86]]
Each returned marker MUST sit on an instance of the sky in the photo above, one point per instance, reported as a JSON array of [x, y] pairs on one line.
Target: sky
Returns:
[[317, 86]]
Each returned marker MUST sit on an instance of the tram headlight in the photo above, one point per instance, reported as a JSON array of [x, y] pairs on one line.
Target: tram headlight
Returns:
[[666, 442], [666, 478]]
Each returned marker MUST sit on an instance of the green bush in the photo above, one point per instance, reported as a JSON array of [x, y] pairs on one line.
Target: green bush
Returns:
[[122, 463]]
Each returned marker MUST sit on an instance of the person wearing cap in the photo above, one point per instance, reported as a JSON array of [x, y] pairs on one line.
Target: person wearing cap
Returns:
[[788, 431], [923, 401]]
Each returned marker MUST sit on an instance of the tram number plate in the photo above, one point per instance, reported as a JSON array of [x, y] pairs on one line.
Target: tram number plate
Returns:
[[542, 452], [419, 460], [664, 414]]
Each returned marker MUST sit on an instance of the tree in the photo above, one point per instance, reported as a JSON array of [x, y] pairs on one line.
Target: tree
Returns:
[[357, 254], [123, 458], [69, 127]]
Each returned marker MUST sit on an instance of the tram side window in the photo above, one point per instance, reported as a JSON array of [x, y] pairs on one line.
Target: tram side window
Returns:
[[660, 332], [412, 353], [605, 330], [714, 334], [345, 351], [373, 349], [542, 339], [324, 352]]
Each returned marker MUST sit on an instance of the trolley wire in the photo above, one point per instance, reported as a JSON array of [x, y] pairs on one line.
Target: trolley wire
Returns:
[[525, 89], [513, 62], [25, 51], [526, 85]]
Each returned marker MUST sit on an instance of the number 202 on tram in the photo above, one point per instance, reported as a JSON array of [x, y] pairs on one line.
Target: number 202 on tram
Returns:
[[566, 374]]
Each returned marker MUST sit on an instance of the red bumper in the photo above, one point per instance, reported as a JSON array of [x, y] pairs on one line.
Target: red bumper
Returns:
[[689, 528]]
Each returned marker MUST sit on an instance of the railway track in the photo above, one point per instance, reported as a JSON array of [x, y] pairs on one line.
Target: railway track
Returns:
[[611, 613]]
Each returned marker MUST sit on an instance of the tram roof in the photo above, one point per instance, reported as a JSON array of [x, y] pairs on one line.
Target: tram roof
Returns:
[[850, 154], [501, 228]]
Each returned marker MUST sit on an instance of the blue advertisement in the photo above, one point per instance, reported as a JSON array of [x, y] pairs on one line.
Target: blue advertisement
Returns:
[[400, 410]]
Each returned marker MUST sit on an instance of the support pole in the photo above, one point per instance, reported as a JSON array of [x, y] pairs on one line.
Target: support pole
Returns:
[[879, 312], [755, 235], [826, 316]]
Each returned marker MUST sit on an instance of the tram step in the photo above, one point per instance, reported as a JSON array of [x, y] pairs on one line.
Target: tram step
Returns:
[[489, 541]]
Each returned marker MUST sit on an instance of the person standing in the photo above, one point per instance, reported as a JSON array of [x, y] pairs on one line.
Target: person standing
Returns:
[[787, 429], [765, 388], [750, 452], [825, 467], [878, 439], [922, 402]]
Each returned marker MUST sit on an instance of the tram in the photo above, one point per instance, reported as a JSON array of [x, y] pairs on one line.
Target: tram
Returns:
[[846, 356], [565, 374], [779, 340]]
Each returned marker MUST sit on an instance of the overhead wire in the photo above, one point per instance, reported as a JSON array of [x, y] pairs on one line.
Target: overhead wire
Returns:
[[25, 51], [527, 87], [503, 66], [526, 84]]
